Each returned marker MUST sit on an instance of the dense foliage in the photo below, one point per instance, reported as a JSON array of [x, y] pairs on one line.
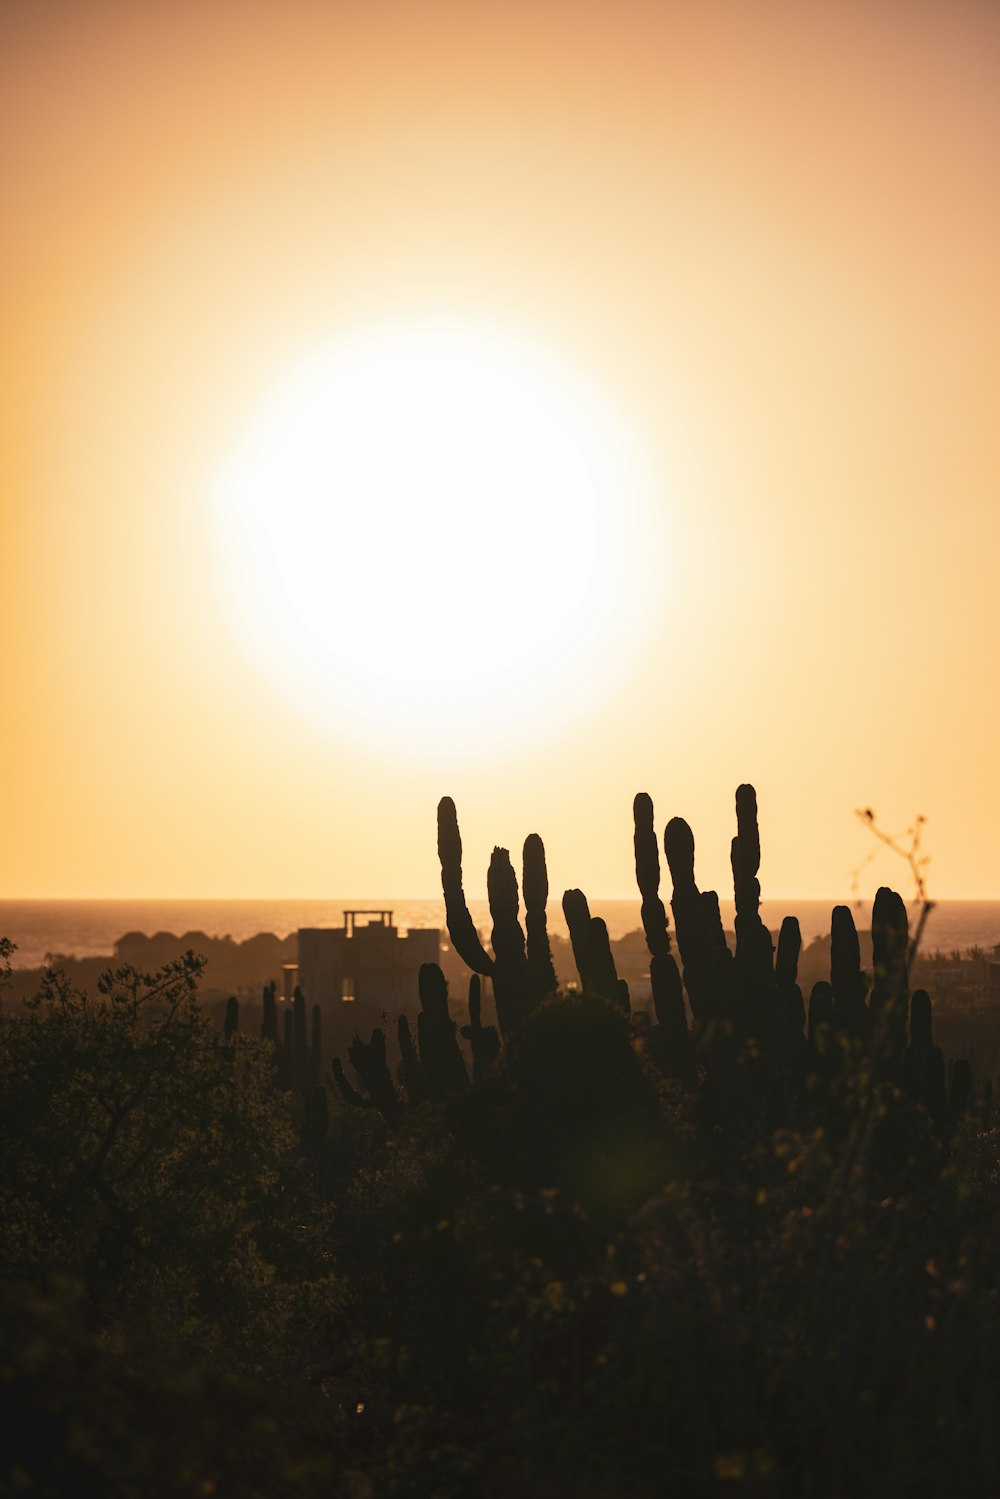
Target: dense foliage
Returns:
[[743, 1245]]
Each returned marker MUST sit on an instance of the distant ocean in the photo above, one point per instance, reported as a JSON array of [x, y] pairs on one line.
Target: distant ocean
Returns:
[[90, 928]]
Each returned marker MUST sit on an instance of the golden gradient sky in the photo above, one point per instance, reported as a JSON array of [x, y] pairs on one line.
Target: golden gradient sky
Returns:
[[770, 233]]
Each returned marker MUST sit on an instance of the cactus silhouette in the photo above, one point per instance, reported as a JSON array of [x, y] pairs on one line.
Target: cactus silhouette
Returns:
[[700, 936], [791, 1011], [674, 1043], [440, 1054], [849, 1011], [821, 1007], [751, 1048], [535, 884], [516, 986], [411, 1073], [754, 951], [890, 985], [592, 951], [269, 1020], [510, 962], [915, 1058], [461, 927], [368, 1058], [483, 1039], [232, 1021]]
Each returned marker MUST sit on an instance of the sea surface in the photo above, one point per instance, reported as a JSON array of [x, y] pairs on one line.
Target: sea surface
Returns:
[[89, 928]]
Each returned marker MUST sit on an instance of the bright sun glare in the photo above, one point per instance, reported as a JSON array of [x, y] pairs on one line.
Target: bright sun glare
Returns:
[[436, 529]]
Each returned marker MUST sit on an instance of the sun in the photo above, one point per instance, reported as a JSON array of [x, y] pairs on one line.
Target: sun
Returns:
[[435, 529]]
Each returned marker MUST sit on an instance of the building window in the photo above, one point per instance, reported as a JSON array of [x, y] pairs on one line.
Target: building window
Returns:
[[347, 987]]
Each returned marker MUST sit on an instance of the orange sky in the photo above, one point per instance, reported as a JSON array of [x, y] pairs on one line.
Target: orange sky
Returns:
[[769, 232]]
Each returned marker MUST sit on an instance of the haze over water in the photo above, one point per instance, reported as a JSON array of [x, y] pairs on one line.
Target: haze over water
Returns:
[[90, 928]]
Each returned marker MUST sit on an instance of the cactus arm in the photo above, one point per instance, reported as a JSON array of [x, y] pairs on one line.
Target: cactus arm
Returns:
[[647, 875], [461, 927], [349, 1092]]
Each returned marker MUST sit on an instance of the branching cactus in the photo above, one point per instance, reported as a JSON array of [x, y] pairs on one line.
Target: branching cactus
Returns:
[[483, 1039], [535, 883], [368, 1058], [437, 1042], [849, 1010], [674, 1048], [508, 968]]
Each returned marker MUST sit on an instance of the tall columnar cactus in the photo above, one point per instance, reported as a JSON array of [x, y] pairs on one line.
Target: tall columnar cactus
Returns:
[[232, 1021], [269, 1021], [592, 951], [754, 951], [535, 884], [461, 927], [483, 1039], [440, 1054], [821, 1008], [890, 980], [921, 1042], [368, 1058], [849, 1011], [577, 914], [786, 964], [675, 1047], [300, 1055], [510, 962], [700, 935]]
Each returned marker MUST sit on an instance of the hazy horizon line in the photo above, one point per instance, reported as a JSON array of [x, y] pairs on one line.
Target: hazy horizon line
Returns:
[[842, 899]]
